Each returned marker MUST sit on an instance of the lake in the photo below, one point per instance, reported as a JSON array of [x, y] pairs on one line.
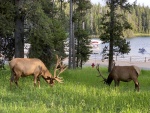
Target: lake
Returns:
[[139, 42], [135, 44]]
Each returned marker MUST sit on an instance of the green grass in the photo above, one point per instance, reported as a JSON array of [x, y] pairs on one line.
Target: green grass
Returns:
[[81, 92]]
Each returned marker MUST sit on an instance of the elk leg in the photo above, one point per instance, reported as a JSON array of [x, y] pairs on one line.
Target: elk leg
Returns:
[[38, 79], [136, 85], [35, 79], [11, 80], [16, 80], [117, 83]]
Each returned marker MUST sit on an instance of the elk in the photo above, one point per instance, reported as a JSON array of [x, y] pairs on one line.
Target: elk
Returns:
[[122, 73], [23, 67]]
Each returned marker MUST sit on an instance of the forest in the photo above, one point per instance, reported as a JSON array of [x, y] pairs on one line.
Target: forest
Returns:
[[138, 17], [45, 25]]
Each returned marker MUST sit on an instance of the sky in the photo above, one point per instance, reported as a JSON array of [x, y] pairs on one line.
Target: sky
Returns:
[[141, 2]]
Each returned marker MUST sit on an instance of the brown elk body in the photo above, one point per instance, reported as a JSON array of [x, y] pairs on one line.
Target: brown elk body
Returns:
[[22, 67], [123, 73]]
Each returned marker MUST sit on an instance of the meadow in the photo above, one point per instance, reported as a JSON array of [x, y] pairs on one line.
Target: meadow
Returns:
[[81, 92]]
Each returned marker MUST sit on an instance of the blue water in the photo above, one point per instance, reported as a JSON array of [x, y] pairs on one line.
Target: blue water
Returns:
[[135, 44], [139, 42]]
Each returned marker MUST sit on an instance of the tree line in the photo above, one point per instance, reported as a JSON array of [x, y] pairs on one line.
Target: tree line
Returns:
[[38, 22], [138, 17], [45, 25]]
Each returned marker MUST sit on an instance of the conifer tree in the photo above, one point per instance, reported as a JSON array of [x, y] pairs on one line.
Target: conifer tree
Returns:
[[81, 34], [46, 32], [7, 28], [113, 25]]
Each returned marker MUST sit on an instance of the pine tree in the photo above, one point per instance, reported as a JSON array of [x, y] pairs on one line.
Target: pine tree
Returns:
[[81, 33], [7, 28], [46, 32], [114, 23]]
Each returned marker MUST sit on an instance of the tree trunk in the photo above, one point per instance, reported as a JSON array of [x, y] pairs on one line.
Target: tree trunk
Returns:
[[19, 31], [81, 64], [73, 49], [77, 62], [111, 37], [70, 36]]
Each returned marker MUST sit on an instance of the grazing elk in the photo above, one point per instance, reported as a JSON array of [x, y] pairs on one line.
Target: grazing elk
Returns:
[[122, 73], [22, 67]]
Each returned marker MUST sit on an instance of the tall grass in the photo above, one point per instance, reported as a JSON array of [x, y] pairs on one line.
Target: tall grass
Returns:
[[81, 92]]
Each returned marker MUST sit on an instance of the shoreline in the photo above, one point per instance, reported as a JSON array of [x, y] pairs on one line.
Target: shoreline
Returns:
[[141, 64]]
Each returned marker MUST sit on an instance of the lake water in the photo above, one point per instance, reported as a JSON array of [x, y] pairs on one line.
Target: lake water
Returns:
[[135, 44], [139, 42]]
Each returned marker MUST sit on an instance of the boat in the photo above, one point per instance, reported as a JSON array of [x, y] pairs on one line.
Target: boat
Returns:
[[95, 45]]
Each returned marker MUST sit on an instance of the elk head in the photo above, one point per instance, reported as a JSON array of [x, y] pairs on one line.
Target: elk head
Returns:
[[59, 68]]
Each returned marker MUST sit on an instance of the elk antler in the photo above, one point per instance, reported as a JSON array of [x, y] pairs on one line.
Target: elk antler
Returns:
[[59, 66], [97, 67]]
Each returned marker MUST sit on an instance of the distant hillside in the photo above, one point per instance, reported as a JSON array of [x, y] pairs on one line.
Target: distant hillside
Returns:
[[139, 19]]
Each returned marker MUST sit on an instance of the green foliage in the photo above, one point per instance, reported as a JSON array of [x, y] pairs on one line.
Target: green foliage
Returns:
[[81, 33], [44, 27], [138, 17], [123, 46], [40, 34], [83, 50], [46, 32], [59, 36], [6, 18], [7, 47], [81, 92], [113, 25]]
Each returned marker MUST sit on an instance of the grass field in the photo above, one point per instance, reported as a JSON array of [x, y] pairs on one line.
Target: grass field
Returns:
[[81, 92]]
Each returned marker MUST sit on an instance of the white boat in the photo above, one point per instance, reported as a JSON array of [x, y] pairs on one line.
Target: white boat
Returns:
[[95, 44]]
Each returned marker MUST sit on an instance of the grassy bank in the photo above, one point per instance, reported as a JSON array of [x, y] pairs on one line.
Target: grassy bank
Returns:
[[81, 92], [141, 35]]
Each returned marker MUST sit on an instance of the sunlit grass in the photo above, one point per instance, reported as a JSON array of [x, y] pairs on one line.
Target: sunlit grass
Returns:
[[81, 92]]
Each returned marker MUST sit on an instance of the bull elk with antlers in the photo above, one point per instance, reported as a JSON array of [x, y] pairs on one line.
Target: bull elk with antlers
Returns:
[[122, 73], [22, 67]]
